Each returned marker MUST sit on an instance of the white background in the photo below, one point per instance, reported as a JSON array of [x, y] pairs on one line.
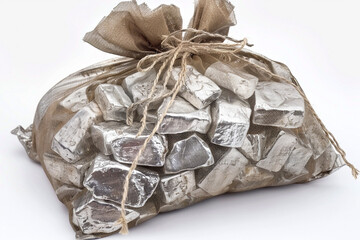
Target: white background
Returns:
[[41, 43]]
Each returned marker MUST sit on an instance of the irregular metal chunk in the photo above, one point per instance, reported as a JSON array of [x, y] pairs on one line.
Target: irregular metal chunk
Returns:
[[138, 86], [95, 216], [217, 178], [76, 100], [231, 121], [104, 133], [314, 134], [25, 138], [183, 117], [297, 160], [68, 173], [253, 146], [105, 179], [112, 101], [127, 145], [188, 154], [198, 195], [326, 161], [251, 178], [174, 188], [199, 90], [279, 105], [233, 79], [146, 212], [72, 141], [285, 178], [279, 153]]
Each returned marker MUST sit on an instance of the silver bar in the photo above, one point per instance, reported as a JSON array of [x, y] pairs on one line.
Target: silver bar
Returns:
[[188, 154], [279, 105], [234, 79], [72, 141], [76, 100], [231, 121], [126, 146], [183, 117], [198, 89], [112, 101], [216, 179], [95, 216], [105, 179]]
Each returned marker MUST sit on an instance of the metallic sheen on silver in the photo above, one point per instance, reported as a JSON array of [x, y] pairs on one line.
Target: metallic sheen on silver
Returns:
[[126, 146], [105, 179], [230, 121], [199, 90], [183, 117], [297, 160], [279, 105], [174, 188], [104, 133], [188, 154], [233, 79], [253, 146], [217, 178], [25, 138], [146, 212], [279, 153], [72, 141], [112, 101], [76, 100], [68, 173], [326, 161], [97, 216]]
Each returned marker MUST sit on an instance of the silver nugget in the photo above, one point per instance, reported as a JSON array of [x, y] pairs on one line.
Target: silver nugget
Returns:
[[112, 101], [183, 117], [126, 146], [68, 173], [297, 160], [105, 179], [103, 134], [233, 79], [72, 141], [279, 105], [174, 188], [95, 216], [326, 161], [216, 179], [76, 100], [279, 152], [198, 89], [231, 121], [253, 146], [188, 154]]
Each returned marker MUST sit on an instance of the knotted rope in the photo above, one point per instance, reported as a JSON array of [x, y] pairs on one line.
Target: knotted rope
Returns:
[[172, 49]]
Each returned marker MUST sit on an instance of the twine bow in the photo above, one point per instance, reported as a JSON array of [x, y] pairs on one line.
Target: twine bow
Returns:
[[173, 49]]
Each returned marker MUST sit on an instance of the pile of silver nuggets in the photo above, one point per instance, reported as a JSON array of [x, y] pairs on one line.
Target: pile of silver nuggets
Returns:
[[227, 131]]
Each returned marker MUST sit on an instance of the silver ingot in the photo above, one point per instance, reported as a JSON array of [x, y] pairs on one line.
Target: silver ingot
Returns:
[[25, 138], [253, 146], [314, 134], [104, 133], [251, 178], [198, 89], [112, 101], [138, 86], [233, 79], [326, 161], [127, 145], [230, 121], [105, 179], [279, 105], [76, 100], [95, 216], [68, 173], [217, 178], [297, 160], [279, 153], [174, 188], [183, 117], [72, 141], [188, 154]]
